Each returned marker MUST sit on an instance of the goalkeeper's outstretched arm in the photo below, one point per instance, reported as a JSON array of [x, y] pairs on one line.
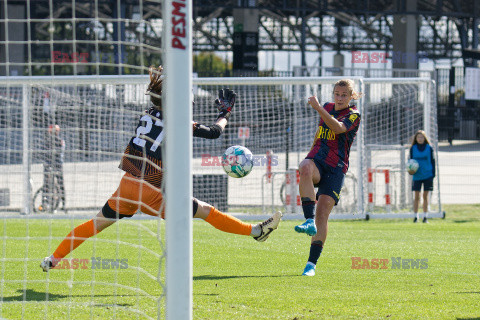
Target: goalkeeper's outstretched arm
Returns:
[[208, 132], [224, 102]]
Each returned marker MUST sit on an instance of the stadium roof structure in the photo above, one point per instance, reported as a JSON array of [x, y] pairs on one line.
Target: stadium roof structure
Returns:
[[348, 25], [439, 7], [445, 27]]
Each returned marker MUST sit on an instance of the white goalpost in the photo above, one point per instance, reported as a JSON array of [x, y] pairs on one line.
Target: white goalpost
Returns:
[[177, 99]]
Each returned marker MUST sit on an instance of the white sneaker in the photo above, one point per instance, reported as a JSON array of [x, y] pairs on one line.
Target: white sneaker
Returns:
[[268, 226], [48, 263]]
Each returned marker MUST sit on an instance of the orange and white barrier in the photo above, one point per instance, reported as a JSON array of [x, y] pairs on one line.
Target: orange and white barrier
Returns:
[[371, 188], [292, 197]]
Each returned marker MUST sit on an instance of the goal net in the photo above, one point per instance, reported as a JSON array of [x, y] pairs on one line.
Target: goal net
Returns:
[[97, 116], [394, 110], [271, 117], [53, 60], [95, 120]]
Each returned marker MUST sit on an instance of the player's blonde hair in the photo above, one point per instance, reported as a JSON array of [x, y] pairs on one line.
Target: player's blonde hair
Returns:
[[423, 133], [155, 87], [350, 86]]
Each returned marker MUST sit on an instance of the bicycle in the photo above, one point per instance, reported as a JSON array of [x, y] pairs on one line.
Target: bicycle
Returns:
[[48, 200]]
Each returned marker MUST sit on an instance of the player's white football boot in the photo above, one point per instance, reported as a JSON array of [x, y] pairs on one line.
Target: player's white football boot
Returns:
[[268, 226], [47, 263]]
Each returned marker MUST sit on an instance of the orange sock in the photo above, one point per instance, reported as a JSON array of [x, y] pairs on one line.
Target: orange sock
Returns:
[[227, 223], [75, 238]]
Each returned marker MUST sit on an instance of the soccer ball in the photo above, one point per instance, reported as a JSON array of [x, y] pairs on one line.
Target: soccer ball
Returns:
[[412, 166], [237, 161]]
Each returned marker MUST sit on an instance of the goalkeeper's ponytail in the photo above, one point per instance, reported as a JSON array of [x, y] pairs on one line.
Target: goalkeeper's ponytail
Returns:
[[155, 87]]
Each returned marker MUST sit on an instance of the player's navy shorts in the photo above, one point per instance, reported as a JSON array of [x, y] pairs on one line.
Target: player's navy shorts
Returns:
[[331, 180], [427, 185]]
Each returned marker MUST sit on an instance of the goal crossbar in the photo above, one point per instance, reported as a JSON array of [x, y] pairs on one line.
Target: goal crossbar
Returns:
[[140, 79]]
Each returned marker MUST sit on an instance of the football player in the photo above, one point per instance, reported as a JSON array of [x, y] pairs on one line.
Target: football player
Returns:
[[326, 165]]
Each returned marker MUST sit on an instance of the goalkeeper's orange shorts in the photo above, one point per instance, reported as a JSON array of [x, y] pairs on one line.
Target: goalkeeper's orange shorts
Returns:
[[135, 194]]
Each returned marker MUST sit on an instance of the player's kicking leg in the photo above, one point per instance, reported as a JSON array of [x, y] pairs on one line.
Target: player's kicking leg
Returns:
[[135, 195], [75, 238], [230, 224], [309, 175]]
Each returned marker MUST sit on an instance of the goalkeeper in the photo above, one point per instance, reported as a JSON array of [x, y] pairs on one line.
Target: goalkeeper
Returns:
[[139, 187], [326, 164]]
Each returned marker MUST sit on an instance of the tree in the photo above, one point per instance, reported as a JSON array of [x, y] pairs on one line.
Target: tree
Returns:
[[208, 64]]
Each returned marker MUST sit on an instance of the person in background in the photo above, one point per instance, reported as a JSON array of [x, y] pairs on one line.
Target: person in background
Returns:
[[422, 151], [53, 159]]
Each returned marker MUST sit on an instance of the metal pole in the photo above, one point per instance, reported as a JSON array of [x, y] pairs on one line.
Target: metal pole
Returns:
[[361, 152], [427, 111], [403, 186], [273, 196], [26, 156]]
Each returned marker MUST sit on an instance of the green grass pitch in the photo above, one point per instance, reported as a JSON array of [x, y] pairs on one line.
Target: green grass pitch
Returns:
[[235, 277]]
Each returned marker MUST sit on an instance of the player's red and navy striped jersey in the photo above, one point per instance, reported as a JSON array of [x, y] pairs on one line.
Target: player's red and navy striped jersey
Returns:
[[334, 149], [143, 155]]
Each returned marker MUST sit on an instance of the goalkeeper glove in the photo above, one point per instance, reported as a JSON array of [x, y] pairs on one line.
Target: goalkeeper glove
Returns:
[[225, 102]]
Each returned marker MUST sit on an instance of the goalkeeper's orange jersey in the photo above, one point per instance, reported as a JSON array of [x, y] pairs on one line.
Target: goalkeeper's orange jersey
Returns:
[[143, 155]]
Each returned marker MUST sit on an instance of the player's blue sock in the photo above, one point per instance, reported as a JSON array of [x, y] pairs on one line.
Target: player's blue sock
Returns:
[[308, 207], [315, 251]]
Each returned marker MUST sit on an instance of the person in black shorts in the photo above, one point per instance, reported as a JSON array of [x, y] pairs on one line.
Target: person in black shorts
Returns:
[[326, 164], [422, 151]]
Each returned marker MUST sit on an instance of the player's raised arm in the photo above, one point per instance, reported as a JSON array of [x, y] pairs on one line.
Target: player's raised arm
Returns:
[[336, 126], [224, 102]]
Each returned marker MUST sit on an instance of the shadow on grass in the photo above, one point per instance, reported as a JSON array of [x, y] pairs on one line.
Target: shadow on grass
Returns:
[[475, 318], [32, 295], [211, 277], [112, 305]]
